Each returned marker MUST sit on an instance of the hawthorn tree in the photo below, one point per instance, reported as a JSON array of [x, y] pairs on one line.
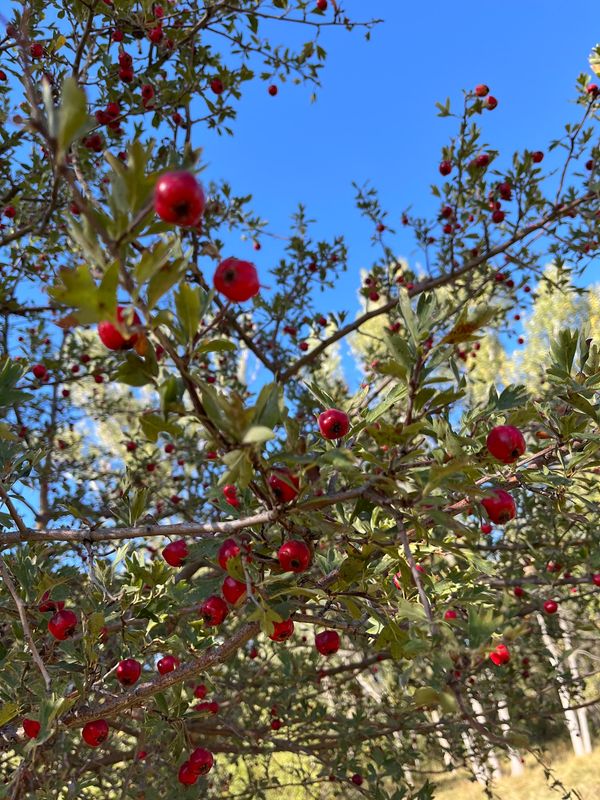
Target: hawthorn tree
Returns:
[[224, 569]]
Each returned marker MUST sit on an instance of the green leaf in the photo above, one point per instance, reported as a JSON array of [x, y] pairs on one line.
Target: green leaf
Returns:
[[78, 290], [154, 259], [8, 711], [163, 280], [215, 346], [73, 119], [257, 434], [10, 374], [268, 408], [152, 425], [187, 304]]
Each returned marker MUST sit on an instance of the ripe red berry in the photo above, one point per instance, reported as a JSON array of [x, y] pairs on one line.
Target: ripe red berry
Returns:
[[537, 156], [276, 724], [32, 728], [217, 86], [96, 732], [500, 506], [481, 90], [506, 443], [179, 199], [450, 614], [236, 279], [550, 606], [186, 774], [214, 610], [294, 556], [156, 34], [322, 5], [592, 88], [481, 160], [327, 642], [498, 216], [46, 604], [230, 494], [201, 761], [233, 590], [273, 90], [596, 579], [229, 549], [112, 338], [518, 591], [128, 671], [36, 50], [282, 630], [209, 706], [175, 553], [167, 664], [357, 780], [200, 691], [333, 424], [491, 103], [500, 655], [39, 371], [486, 528], [62, 625], [445, 168], [284, 485], [398, 580]]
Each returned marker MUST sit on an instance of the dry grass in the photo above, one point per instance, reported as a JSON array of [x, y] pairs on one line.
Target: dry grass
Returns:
[[582, 774]]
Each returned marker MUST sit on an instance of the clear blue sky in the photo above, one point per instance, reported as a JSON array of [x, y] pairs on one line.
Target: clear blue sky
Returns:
[[375, 117]]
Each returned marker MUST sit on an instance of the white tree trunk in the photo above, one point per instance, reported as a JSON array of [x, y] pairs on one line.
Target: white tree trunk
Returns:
[[571, 717], [444, 743], [516, 765], [574, 667], [478, 768], [492, 757]]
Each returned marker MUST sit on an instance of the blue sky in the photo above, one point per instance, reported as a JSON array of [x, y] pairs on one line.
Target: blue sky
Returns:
[[375, 117]]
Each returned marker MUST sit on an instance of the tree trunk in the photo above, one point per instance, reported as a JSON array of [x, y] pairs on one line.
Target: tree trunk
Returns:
[[574, 667], [492, 758], [516, 765]]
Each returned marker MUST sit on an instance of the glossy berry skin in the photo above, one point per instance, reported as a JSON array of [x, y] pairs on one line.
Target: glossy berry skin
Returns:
[[201, 761], [39, 371], [322, 5], [208, 707], [276, 724], [450, 614], [284, 485], [179, 199], [491, 103], [111, 338], [500, 507], [233, 590], [217, 86], [186, 774], [550, 606], [333, 424], [32, 728], [62, 625], [500, 655], [128, 671], [96, 732], [294, 556], [282, 630], [167, 664], [518, 591], [357, 780], [506, 443], [596, 579], [327, 642], [273, 90], [200, 691], [175, 553], [481, 90], [229, 549], [236, 279], [445, 168], [486, 528], [213, 610], [537, 157]]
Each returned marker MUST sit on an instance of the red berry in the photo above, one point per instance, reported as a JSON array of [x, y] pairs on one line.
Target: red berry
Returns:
[[505, 443], [486, 528], [450, 614], [327, 642], [32, 728], [36, 50], [111, 338], [214, 610], [276, 724], [550, 606], [500, 655], [322, 5], [128, 671], [118, 36], [481, 160], [498, 216], [273, 90], [175, 553], [398, 580], [217, 86], [282, 630], [294, 556], [537, 156], [62, 625], [200, 691], [186, 774], [500, 506], [229, 549], [518, 591], [201, 761], [156, 34], [491, 103], [236, 279], [481, 90], [284, 485], [39, 371], [445, 168], [46, 604], [596, 579], [94, 733], [333, 424], [210, 707], [357, 780], [233, 590], [592, 88], [179, 199], [167, 664]]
